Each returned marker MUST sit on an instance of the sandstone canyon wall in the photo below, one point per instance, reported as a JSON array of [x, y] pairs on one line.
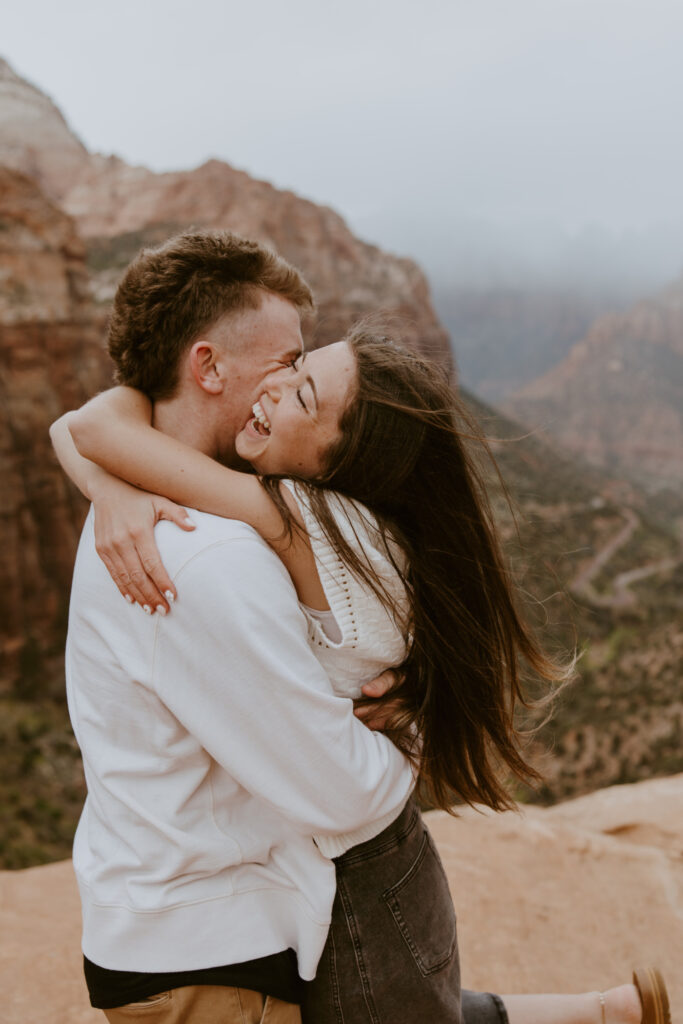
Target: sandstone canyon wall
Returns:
[[34, 137], [118, 208], [51, 359]]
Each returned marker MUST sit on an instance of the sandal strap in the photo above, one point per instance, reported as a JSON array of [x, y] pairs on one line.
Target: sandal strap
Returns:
[[653, 995]]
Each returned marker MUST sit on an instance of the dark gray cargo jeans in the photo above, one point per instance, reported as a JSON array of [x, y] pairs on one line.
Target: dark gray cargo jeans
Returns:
[[392, 954]]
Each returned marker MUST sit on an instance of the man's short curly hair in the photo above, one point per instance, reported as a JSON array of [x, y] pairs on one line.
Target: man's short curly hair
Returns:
[[170, 294]]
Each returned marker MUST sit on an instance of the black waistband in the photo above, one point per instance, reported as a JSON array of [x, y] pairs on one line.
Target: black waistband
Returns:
[[275, 975]]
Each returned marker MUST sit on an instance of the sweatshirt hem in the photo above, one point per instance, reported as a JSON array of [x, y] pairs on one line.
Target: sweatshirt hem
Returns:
[[335, 846], [193, 936]]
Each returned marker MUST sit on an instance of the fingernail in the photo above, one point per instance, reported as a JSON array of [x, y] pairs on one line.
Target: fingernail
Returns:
[[129, 599], [170, 596], [190, 522], [146, 609], [161, 609]]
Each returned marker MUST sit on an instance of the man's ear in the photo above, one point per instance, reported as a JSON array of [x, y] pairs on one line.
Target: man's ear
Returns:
[[206, 366]]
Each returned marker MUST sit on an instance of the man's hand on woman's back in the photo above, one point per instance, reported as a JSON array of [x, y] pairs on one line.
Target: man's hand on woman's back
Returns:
[[377, 716]]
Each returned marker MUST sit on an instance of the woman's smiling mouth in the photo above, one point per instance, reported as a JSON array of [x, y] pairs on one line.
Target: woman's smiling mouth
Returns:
[[261, 422]]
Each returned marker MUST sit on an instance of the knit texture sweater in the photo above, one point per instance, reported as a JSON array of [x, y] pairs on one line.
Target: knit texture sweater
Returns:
[[372, 638]]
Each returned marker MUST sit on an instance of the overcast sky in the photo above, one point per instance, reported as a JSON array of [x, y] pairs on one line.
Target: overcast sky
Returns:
[[404, 116]]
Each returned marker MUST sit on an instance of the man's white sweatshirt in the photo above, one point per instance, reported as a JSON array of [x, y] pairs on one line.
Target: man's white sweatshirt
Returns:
[[213, 749]]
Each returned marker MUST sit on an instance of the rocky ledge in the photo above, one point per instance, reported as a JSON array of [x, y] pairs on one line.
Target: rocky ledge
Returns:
[[568, 898]]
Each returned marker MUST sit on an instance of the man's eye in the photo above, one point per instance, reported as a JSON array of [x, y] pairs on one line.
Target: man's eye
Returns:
[[294, 363]]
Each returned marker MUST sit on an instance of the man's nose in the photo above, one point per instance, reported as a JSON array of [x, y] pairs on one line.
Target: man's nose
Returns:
[[274, 382]]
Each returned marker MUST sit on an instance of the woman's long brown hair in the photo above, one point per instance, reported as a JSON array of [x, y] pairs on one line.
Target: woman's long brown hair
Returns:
[[402, 454]]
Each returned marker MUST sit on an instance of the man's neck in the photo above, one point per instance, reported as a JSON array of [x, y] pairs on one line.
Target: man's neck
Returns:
[[178, 417]]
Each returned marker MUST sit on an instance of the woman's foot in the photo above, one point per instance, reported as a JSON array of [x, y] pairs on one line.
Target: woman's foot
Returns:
[[622, 1006]]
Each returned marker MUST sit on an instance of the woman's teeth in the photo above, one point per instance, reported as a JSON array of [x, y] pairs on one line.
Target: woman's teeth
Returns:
[[260, 417]]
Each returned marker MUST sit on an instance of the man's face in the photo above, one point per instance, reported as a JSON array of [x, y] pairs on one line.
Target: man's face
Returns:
[[257, 343]]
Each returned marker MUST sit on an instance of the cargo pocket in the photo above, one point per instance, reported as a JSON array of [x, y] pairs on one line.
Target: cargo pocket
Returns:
[[422, 908]]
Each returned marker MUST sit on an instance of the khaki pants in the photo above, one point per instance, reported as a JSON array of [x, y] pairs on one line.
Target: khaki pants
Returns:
[[207, 1004]]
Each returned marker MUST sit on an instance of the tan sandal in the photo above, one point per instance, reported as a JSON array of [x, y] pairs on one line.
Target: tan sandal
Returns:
[[653, 995]]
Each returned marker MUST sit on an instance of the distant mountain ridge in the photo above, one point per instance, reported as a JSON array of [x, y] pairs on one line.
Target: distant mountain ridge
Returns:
[[616, 399], [504, 338]]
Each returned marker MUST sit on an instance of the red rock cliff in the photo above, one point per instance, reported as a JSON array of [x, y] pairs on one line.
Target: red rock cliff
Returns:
[[34, 137], [51, 359], [117, 207], [130, 206]]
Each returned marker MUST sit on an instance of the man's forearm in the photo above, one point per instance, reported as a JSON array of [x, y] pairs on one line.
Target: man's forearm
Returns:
[[234, 665]]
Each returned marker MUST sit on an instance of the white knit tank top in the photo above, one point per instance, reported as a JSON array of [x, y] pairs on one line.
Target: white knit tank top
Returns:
[[359, 637]]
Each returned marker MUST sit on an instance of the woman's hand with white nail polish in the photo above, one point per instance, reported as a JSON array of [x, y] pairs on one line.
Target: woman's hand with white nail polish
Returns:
[[124, 537]]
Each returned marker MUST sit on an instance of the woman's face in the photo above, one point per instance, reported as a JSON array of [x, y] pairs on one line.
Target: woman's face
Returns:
[[296, 419]]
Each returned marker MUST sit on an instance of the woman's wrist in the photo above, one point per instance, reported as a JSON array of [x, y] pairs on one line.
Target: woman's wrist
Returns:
[[102, 486]]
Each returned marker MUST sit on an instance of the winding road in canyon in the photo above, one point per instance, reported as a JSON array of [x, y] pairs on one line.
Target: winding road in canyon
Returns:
[[620, 596]]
